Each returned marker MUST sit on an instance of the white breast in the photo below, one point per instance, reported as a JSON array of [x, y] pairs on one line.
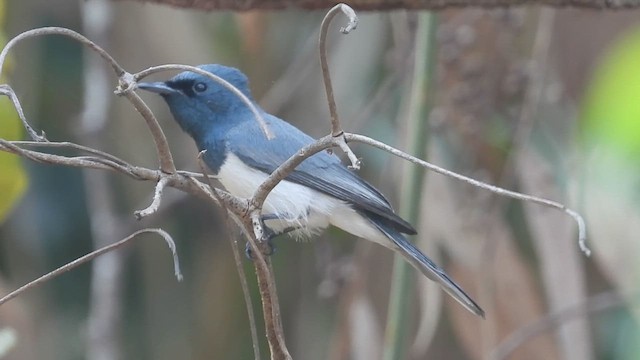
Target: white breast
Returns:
[[302, 206], [297, 205]]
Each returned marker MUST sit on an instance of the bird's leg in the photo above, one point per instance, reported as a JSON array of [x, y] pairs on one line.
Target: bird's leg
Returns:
[[266, 217], [270, 234], [248, 252]]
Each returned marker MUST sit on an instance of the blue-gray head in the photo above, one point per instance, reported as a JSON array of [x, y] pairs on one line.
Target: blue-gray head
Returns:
[[200, 104]]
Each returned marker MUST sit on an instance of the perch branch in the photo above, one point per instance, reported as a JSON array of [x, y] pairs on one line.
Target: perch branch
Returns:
[[387, 5], [326, 142]]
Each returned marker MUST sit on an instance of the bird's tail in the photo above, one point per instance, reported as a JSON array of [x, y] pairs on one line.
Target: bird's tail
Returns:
[[421, 262]]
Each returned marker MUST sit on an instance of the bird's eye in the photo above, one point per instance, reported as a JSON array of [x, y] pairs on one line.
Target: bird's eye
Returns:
[[200, 87]]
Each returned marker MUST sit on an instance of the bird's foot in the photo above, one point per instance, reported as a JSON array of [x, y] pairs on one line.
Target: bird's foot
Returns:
[[266, 244], [266, 247]]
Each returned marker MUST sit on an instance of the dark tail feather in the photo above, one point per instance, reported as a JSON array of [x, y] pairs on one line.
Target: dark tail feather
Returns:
[[427, 267]]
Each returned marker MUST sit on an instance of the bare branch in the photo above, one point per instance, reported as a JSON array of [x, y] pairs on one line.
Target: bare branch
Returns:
[[341, 142], [267, 287], [126, 81], [196, 175], [8, 91], [270, 305], [157, 198], [238, 207], [326, 142], [247, 295], [380, 5], [71, 145], [278, 347], [182, 180], [92, 255], [74, 161], [336, 129], [66, 32], [582, 231], [286, 168]]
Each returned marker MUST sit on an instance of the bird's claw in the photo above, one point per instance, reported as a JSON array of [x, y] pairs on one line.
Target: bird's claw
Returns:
[[266, 247], [266, 243]]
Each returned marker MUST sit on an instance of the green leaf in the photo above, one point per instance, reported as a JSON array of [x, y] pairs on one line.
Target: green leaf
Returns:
[[13, 180], [611, 110]]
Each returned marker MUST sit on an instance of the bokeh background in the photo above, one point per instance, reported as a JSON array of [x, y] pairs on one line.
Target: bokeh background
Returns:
[[539, 100]]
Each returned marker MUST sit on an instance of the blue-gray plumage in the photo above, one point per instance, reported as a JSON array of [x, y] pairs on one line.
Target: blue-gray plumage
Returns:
[[319, 192]]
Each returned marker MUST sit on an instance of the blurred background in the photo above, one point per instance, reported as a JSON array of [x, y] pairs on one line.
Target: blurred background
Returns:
[[538, 100]]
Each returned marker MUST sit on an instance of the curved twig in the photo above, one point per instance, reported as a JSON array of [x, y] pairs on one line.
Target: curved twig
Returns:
[[8, 91], [162, 145], [582, 230], [182, 181], [326, 142], [125, 79], [336, 128], [75, 161], [337, 134], [119, 70], [90, 256], [157, 198], [72, 145]]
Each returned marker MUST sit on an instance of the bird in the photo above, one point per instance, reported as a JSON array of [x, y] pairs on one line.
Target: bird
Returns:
[[321, 191]]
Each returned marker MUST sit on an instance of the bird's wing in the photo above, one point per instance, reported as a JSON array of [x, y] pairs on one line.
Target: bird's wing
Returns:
[[322, 172]]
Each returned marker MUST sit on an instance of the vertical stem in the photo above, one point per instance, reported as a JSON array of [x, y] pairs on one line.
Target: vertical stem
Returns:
[[271, 310], [412, 177]]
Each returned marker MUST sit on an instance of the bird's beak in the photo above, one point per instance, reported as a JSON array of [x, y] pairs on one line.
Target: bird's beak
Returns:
[[157, 87]]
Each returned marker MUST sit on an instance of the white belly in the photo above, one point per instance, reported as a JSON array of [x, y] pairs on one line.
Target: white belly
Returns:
[[295, 204]]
